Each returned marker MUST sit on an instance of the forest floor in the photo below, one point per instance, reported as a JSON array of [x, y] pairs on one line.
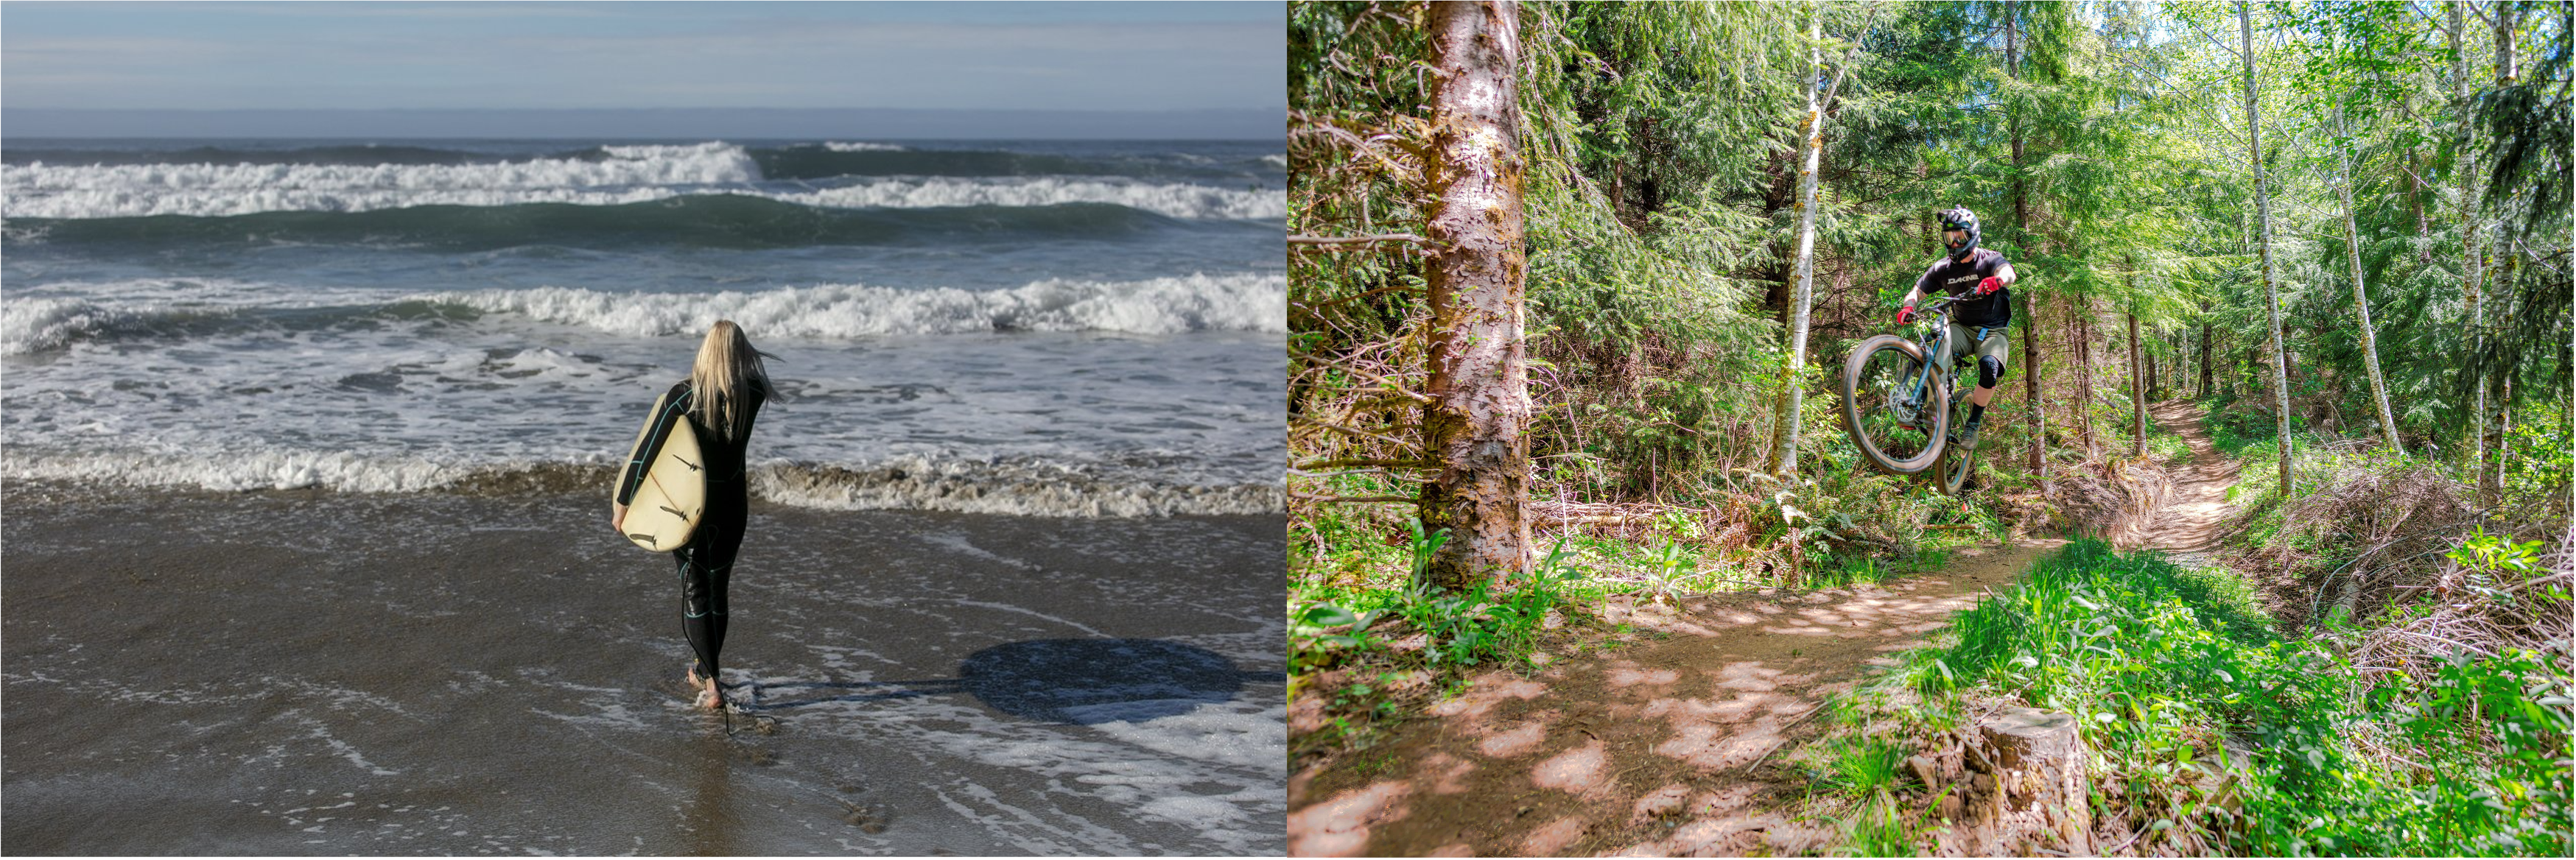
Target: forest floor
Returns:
[[1673, 746]]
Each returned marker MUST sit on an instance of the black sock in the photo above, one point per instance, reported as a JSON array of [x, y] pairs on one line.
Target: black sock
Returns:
[[1976, 414]]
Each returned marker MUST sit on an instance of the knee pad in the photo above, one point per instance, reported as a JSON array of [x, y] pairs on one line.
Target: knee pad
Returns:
[[1990, 370]]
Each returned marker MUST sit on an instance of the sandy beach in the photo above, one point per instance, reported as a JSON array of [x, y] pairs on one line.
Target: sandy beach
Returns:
[[314, 672]]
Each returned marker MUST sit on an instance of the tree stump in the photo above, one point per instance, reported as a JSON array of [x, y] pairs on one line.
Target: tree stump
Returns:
[[2041, 758]]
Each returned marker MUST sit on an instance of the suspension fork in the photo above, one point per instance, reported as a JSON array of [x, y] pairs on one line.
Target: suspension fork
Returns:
[[1935, 353]]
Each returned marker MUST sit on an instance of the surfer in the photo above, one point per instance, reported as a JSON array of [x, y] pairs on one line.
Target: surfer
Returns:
[[724, 392]]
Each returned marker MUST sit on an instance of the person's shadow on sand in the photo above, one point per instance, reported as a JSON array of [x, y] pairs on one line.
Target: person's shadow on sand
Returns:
[[1065, 681]]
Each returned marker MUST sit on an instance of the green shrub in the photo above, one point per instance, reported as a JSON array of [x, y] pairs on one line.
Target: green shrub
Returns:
[[2161, 664]]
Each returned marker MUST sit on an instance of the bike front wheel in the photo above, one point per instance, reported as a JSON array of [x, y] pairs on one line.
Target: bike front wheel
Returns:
[[1894, 411]]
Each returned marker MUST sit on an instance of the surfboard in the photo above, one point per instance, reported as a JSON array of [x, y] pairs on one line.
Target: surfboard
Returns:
[[664, 483]]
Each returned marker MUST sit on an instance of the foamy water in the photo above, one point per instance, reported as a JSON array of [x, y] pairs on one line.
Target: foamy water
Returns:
[[631, 174], [1050, 369]]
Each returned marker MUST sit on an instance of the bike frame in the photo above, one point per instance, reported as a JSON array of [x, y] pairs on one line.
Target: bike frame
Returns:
[[1936, 356]]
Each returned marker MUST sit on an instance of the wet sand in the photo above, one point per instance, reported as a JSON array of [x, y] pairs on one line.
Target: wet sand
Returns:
[[319, 673]]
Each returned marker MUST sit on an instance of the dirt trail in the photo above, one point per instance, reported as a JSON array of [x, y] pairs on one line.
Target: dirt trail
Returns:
[[2190, 519], [1668, 747]]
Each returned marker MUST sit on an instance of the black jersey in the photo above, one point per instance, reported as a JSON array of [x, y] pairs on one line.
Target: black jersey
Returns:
[[1960, 278]]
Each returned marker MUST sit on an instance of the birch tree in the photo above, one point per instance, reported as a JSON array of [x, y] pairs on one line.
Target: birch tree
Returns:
[[1812, 138], [2469, 268], [2263, 227], [2361, 296], [2495, 393], [2137, 383]]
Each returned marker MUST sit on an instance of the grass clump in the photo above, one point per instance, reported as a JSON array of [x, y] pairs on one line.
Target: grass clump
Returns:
[[1862, 767], [2238, 740]]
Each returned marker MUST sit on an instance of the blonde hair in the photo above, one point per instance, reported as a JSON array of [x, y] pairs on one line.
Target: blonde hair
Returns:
[[727, 373]]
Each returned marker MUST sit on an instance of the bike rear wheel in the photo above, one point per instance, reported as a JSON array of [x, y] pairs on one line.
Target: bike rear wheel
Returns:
[[1884, 411], [1957, 465]]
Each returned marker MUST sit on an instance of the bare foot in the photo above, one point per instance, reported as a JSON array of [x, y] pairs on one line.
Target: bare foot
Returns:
[[709, 697]]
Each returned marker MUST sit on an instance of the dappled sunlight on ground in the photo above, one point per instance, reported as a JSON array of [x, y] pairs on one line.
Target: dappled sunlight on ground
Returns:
[[1670, 745], [1553, 837], [1625, 676], [1577, 770], [2191, 519], [1515, 742], [1448, 774], [1340, 827]]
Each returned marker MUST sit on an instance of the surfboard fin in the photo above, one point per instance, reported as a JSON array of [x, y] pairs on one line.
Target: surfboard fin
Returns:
[[656, 542], [674, 511], [692, 466]]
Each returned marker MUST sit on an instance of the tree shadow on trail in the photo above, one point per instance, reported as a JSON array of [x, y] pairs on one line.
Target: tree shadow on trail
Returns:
[[1063, 681]]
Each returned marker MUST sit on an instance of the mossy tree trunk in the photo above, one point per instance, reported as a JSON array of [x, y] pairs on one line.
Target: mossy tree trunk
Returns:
[[1477, 421]]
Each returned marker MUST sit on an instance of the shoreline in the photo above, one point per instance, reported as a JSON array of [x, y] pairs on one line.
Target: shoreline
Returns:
[[900, 490], [315, 671]]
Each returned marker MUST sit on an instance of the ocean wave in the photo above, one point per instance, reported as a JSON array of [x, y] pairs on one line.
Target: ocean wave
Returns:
[[699, 220], [199, 309], [34, 325], [798, 161], [351, 154], [1190, 202], [137, 192], [833, 161], [128, 190], [1231, 302], [1017, 488]]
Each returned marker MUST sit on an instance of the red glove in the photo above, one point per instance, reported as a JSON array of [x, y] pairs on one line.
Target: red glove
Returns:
[[1990, 284], [1904, 313]]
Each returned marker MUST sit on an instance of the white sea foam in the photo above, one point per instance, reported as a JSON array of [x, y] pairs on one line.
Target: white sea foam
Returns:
[[1229, 302], [1278, 160], [1173, 199], [916, 484], [40, 317], [33, 325], [837, 146], [1020, 488], [1240, 732], [32, 186], [632, 174], [237, 470]]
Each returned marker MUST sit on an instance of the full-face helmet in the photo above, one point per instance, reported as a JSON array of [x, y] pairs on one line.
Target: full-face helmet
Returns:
[[1959, 218]]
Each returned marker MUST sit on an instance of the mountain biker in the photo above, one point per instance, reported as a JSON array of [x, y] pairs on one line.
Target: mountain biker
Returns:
[[1976, 324]]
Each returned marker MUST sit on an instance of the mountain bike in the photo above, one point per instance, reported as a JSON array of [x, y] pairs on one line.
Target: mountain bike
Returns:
[[1899, 408]]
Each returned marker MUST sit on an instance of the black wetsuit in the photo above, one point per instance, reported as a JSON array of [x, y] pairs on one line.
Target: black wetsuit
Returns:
[[706, 561]]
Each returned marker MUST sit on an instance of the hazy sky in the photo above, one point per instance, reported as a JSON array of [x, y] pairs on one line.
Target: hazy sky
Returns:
[[1060, 56]]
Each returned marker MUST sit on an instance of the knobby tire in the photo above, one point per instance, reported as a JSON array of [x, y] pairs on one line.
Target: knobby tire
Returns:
[[1939, 393]]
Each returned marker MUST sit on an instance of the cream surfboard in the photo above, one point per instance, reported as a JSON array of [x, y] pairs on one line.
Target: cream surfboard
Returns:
[[664, 483]]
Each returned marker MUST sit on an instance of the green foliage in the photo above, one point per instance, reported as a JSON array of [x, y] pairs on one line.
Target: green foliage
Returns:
[[1877, 832], [2164, 445], [2165, 667], [1460, 628], [1861, 766]]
